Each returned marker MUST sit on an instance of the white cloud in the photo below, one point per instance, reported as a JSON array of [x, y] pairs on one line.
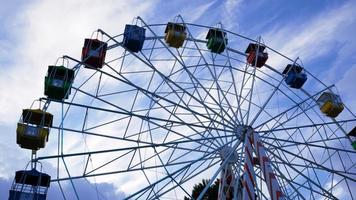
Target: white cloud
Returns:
[[40, 33], [191, 15], [312, 38], [315, 38], [47, 30], [347, 88]]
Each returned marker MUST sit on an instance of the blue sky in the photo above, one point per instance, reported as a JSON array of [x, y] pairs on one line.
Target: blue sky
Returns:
[[34, 33]]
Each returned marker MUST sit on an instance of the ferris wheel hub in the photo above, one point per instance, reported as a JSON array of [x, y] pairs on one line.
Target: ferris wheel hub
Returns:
[[241, 130], [225, 154]]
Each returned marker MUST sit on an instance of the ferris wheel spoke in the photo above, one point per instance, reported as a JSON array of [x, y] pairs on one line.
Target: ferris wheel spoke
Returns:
[[193, 174], [142, 166], [298, 131], [148, 144], [90, 153], [224, 95], [190, 75], [165, 78], [213, 74], [327, 137], [266, 102], [245, 80], [309, 143], [312, 135], [128, 113], [238, 111], [323, 192], [149, 119], [70, 179], [316, 167], [149, 94], [196, 132], [149, 182], [111, 172], [128, 149], [181, 120], [311, 162], [201, 99], [173, 142], [186, 107], [249, 94], [209, 125], [291, 143], [315, 125], [300, 152], [166, 170], [176, 173], [321, 163], [299, 105], [290, 161]]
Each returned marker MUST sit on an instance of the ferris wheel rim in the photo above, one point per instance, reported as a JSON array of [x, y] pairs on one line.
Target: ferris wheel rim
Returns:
[[228, 49]]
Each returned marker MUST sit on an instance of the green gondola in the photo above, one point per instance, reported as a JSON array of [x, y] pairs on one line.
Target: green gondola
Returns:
[[217, 40], [58, 82]]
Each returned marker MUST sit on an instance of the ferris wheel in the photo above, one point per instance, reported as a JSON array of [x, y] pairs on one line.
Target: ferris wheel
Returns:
[[162, 106]]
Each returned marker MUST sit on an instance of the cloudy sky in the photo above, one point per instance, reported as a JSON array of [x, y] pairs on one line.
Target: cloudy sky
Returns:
[[35, 33]]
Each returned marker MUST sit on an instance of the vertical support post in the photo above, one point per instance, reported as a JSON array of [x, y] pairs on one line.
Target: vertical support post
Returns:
[[33, 159], [227, 180], [249, 179], [271, 181]]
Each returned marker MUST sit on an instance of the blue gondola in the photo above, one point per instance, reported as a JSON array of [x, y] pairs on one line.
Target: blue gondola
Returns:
[[30, 184], [134, 37], [295, 77]]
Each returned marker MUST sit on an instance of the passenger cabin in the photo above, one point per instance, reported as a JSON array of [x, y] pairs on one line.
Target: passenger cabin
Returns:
[[58, 82], [134, 37], [175, 34], [254, 51], [294, 76], [30, 184], [33, 129], [217, 40], [330, 104], [93, 53], [352, 136]]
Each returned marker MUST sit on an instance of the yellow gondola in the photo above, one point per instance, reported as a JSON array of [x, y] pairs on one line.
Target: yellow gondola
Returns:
[[175, 34], [33, 129], [330, 104]]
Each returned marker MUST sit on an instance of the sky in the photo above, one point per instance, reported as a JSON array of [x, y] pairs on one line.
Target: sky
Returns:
[[33, 34]]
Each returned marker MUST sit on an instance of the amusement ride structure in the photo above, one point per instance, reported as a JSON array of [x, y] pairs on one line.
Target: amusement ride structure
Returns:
[[162, 106]]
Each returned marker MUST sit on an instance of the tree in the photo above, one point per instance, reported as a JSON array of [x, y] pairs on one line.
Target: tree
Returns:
[[211, 193]]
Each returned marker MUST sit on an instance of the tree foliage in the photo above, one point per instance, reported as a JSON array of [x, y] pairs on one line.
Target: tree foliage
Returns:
[[211, 194]]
